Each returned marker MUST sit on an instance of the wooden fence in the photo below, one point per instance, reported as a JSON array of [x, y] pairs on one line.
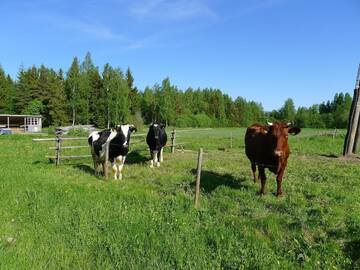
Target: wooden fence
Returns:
[[59, 147]]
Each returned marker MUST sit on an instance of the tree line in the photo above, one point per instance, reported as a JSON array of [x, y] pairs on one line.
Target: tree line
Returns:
[[85, 95]]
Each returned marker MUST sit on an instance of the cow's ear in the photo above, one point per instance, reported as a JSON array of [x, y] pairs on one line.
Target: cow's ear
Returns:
[[294, 130], [132, 128], [163, 126]]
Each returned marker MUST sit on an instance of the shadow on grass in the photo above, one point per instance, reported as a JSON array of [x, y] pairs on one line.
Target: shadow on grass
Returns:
[[135, 157], [84, 168], [36, 162], [352, 248], [329, 155], [211, 180], [132, 158]]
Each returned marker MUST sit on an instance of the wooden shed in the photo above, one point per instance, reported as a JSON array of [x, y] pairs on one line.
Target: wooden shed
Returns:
[[21, 123]]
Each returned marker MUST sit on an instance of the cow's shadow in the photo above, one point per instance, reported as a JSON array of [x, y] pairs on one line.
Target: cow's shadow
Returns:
[[328, 155], [212, 180], [134, 157], [84, 168], [352, 248]]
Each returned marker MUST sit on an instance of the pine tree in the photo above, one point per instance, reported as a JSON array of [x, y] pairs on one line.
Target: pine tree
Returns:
[[134, 95], [27, 88], [7, 93], [72, 89], [288, 111]]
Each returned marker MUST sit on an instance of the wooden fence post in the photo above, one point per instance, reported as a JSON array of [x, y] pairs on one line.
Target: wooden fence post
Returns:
[[334, 133], [57, 147], [106, 167], [351, 139], [173, 141], [198, 177]]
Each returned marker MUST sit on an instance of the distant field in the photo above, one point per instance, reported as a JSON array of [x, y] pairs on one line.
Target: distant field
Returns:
[[66, 218]]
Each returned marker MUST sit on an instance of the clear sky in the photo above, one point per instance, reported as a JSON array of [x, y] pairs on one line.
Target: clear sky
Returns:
[[263, 50]]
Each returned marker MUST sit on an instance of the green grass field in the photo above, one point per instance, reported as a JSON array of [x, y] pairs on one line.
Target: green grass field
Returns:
[[66, 218]]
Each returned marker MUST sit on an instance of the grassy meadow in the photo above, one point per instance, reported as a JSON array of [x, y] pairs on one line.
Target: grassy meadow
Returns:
[[66, 218]]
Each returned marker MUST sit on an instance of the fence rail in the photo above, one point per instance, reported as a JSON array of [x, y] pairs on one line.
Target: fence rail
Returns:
[[59, 147]]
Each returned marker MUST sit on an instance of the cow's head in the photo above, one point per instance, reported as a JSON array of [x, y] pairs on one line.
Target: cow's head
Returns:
[[279, 132], [156, 129], [125, 131]]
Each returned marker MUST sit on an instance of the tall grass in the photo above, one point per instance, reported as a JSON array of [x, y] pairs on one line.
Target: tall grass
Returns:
[[66, 218]]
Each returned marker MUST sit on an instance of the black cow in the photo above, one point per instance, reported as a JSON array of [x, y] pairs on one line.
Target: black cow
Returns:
[[119, 139], [156, 140]]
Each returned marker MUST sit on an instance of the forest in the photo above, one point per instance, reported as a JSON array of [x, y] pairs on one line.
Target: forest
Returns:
[[84, 94]]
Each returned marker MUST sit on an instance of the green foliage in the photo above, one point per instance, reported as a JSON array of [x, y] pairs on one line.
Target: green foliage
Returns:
[[80, 132], [87, 96], [7, 93], [288, 111], [35, 107]]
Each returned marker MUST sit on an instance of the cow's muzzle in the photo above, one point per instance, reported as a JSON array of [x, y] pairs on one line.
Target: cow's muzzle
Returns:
[[279, 153]]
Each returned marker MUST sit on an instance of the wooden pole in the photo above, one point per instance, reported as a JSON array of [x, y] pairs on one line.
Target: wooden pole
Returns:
[[8, 122], [198, 177], [57, 149], [351, 138], [106, 171], [357, 137], [173, 141]]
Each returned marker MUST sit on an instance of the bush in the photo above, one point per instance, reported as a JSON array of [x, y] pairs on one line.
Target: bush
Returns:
[[185, 121], [202, 120], [80, 132]]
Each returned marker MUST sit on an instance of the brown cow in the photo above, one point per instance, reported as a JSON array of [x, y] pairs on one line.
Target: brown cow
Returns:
[[267, 147]]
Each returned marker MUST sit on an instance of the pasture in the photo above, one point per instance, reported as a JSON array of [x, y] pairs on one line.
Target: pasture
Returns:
[[66, 218]]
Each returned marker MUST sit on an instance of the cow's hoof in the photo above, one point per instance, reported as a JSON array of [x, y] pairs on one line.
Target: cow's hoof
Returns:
[[158, 164]]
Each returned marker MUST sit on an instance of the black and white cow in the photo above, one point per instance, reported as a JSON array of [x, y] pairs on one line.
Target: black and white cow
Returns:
[[156, 140], [119, 139]]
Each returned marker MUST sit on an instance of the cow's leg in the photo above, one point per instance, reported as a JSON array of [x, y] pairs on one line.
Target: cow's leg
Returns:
[[253, 168], [152, 159], [120, 166], [103, 166], [279, 179], [161, 154], [263, 179], [158, 159], [95, 162], [95, 166], [155, 159], [114, 169]]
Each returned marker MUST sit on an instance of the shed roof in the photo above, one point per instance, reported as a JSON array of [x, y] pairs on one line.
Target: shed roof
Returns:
[[20, 115]]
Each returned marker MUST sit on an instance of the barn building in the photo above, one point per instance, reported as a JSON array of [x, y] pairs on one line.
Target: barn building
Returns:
[[14, 123]]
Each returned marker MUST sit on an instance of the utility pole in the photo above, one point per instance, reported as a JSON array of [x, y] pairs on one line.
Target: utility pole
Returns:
[[352, 135]]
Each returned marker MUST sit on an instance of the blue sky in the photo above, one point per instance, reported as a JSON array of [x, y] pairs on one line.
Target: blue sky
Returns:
[[263, 50]]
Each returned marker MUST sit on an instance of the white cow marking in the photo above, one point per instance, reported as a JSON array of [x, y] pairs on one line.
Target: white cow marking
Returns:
[[94, 135], [125, 131]]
